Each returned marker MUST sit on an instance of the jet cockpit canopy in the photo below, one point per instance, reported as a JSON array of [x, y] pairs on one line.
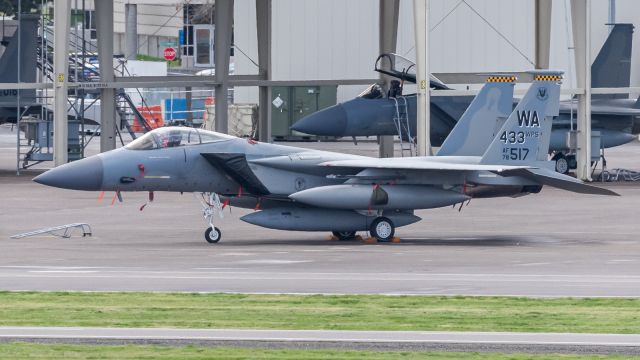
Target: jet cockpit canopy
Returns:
[[174, 136], [404, 69]]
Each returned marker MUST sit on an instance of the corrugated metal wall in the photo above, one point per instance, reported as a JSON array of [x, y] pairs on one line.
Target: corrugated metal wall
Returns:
[[332, 39], [461, 41]]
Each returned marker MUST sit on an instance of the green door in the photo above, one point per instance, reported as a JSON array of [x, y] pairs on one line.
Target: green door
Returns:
[[290, 104], [280, 112], [305, 101]]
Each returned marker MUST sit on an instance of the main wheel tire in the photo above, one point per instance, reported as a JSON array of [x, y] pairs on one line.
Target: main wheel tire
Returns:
[[213, 235], [344, 235], [562, 164], [382, 229]]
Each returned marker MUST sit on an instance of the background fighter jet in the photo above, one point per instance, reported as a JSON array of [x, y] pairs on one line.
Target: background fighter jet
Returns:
[[372, 113], [310, 190]]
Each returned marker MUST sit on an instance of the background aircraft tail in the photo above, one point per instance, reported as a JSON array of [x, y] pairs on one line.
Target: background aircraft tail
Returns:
[[524, 137], [612, 66], [483, 118]]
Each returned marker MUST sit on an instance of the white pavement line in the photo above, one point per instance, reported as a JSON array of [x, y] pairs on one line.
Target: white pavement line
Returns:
[[626, 340], [391, 276], [584, 279], [331, 275], [63, 271]]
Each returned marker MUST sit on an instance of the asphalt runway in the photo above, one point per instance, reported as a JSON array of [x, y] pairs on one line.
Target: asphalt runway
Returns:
[[554, 243], [623, 344]]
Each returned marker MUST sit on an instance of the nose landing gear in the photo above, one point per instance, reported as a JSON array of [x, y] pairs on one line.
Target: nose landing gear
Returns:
[[212, 235], [210, 206], [562, 163]]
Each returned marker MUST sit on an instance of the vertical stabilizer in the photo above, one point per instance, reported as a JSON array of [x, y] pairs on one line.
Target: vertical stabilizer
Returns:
[[612, 66], [524, 137], [483, 118]]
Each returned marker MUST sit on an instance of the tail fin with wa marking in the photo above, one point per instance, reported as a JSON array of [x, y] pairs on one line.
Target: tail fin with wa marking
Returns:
[[524, 137]]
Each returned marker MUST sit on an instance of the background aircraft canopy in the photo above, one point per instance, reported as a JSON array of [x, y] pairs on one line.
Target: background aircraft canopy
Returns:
[[404, 69]]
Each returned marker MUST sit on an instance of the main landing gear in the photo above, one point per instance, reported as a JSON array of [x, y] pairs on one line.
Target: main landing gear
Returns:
[[344, 235], [210, 206], [382, 229]]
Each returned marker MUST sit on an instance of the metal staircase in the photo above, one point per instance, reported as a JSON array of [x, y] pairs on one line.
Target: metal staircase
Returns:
[[127, 111], [32, 149], [82, 71], [401, 121], [81, 49]]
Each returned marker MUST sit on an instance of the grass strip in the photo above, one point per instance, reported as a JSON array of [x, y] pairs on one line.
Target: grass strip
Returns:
[[348, 312], [64, 351]]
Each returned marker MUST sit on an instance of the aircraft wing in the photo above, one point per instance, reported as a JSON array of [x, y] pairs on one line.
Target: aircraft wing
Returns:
[[602, 109], [557, 180], [417, 163], [539, 175], [614, 110]]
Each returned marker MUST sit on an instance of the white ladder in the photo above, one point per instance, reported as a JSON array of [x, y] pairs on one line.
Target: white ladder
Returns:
[[55, 230], [401, 121]]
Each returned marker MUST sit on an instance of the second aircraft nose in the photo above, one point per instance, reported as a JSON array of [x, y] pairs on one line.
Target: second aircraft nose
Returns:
[[331, 121], [85, 174]]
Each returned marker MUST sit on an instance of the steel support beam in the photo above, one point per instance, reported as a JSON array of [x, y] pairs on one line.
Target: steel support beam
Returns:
[[131, 31], [104, 30], [388, 39], [222, 51], [62, 11], [258, 80], [543, 33], [581, 24], [612, 14], [189, 104], [263, 26], [205, 81], [421, 27]]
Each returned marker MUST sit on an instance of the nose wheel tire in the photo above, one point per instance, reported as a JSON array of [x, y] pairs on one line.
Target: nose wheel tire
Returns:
[[213, 235], [382, 229], [344, 235]]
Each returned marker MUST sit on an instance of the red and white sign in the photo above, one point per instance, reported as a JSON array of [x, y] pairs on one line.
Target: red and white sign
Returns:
[[169, 54]]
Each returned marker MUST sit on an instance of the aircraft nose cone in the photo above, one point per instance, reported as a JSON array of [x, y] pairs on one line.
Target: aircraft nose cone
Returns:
[[331, 121], [85, 174]]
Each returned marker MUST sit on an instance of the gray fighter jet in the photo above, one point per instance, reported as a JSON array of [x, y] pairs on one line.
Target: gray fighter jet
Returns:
[[491, 152], [616, 117]]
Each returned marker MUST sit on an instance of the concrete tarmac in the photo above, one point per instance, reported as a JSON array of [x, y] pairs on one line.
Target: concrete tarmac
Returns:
[[550, 244], [554, 243], [627, 344]]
